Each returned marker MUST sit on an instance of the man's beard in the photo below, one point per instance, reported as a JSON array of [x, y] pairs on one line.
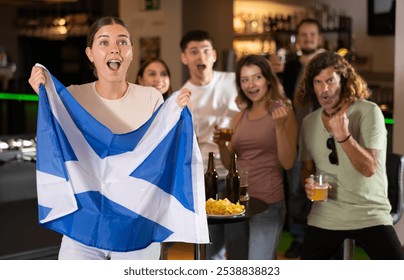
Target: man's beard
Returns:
[[308, 51]]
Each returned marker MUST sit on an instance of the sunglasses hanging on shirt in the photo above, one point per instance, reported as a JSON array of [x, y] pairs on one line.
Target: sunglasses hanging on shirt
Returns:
[[332, 157]]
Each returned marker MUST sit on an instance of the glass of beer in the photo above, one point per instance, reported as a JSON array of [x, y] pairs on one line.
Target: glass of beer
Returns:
[[321, 186], [224, 125], [244, 185]]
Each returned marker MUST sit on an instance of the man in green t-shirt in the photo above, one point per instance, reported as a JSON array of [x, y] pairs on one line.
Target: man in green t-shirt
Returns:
[[346, 140]]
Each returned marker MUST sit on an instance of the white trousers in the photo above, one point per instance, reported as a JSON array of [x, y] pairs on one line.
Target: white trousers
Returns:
[[74, 250]]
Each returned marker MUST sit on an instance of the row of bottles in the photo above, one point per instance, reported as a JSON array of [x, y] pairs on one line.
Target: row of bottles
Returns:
[[328, 19], [284, 43], [254, 22], [232, 191], [259, 23]]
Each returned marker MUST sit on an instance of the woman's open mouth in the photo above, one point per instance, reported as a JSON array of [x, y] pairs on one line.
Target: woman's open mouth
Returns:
[[114, 64]]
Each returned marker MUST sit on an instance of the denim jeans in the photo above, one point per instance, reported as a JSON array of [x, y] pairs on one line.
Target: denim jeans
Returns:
[[298, 206], [265, 231]]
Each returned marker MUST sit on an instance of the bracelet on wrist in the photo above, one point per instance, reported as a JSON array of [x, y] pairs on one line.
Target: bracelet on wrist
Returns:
[[346, 139]]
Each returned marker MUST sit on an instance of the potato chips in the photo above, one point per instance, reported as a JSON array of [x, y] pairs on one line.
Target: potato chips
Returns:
[[223, 207]]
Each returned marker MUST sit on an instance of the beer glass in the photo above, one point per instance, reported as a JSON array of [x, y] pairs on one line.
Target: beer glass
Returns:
[[244, 185], [224, 125], [320, 182]]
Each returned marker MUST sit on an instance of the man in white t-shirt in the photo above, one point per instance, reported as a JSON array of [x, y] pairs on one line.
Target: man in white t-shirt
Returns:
[[213, 95]]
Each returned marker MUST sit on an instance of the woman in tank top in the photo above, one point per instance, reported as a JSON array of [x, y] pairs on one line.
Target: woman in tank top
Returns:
[[264, 139]]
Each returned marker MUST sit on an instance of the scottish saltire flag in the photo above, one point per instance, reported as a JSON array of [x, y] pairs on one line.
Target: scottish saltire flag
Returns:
[[118, 192]]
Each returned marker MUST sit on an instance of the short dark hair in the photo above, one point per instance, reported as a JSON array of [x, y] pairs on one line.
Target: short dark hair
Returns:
[[194, 35], [309, 21]]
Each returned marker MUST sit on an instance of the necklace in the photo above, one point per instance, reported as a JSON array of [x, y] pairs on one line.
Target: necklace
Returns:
[[332, 114]]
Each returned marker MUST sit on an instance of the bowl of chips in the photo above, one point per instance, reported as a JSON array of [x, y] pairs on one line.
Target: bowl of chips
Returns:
[[223, 208]]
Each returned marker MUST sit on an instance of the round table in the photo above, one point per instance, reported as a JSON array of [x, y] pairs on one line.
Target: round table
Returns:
[[253, 207]]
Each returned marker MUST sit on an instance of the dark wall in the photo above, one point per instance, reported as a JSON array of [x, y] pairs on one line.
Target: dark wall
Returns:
[[8, 35], [66, 59], [9, 27]]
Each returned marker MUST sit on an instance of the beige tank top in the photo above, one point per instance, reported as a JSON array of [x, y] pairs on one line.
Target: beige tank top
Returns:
[[120, 115]]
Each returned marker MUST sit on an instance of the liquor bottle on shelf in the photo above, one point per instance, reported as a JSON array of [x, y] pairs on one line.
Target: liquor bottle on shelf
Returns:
[[211, 179], [233, 181]]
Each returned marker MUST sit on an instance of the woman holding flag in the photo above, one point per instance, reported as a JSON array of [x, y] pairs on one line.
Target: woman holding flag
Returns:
[[108, 216]]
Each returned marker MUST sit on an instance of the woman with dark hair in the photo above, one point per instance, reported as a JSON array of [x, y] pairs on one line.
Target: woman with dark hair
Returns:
[[119, 105], [346, 140], [155, 73], [264, 139]]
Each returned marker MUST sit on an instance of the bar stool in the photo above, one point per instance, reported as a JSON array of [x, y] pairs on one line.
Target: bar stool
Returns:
[[395, 178]]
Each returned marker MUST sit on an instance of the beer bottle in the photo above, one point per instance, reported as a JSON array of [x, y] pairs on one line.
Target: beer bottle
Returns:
[[211, 179], [233, 181]]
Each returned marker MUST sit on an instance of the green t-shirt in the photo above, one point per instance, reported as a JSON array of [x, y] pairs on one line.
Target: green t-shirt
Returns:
[[355, 201]]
